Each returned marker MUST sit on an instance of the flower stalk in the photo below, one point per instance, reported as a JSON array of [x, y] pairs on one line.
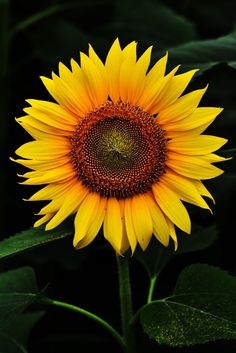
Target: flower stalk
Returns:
[[90, 315], [151, 289], [126, 302]]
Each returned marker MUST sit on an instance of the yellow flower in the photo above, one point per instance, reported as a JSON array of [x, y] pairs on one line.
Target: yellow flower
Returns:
[[122, 147]]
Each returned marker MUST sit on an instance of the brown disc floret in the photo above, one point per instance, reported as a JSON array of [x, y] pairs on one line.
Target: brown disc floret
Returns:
[[118, 150]]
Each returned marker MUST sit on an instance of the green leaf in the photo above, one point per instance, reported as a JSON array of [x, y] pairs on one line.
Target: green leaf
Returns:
[[149, 22], [53, 46], [20, 280], [205, 54], [18, 289], [12, 304], [156, 257], [199, 240], [16, 335], [32, 238], [9, 344], [201, 309]]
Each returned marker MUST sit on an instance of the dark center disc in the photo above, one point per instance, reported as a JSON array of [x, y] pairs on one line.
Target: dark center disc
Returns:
[[119, 151]]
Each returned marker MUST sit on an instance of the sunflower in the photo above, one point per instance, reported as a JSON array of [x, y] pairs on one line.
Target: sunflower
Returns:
[[122, 147]]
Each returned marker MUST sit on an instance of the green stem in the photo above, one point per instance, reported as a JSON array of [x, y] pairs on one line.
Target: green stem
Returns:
[[126, 302], [90, 315], [151, 289]]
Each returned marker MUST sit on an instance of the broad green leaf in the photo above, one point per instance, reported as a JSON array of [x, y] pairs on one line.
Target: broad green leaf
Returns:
[[18, 289], [156, 257], [13, 304], [32, 238], [15, 337], [61, 45], [201, 239], [150, 22], [201, 309], [9, 344], [204, 54], [42, 15], [20, 280], [232, 64]]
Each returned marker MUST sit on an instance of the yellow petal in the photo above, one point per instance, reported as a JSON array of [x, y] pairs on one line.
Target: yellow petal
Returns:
[[113, 229], [125, 242], [85, 216], [50, 86], [97, 88], [198, 145], [214, 158], [200, 118], [129, 224], [54, 110], [182, 107], [184, 188], [171, 205], [41, 165], [52, 206], [127, 68], [157, 71], [78, 100], [43, 150], [50, 120], [175, 88], [73, 199], [43, 219], [126, 71], [113, 65], [41, 131], [138, 77], [67, 95], [203, 190], [142, 221], [95, 225], [160, 227], [152, 94], [192, 166], [172, 232], [97, 61], [130, 52], [85, 101], [56, 175], [51, 191]]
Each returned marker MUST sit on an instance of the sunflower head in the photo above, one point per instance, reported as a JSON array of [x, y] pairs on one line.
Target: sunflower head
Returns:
[[121, 146]]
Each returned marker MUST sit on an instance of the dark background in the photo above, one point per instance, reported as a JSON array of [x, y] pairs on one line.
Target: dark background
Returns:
[[57, 31]]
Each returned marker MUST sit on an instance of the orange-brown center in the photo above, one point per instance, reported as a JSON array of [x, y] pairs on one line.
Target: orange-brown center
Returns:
[[118, 150]]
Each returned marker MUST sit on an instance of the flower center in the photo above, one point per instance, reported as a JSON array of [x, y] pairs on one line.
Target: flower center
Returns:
[[118, 150]]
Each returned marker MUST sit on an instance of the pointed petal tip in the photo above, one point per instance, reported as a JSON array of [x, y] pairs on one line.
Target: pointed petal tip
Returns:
[[220, 109], [76, 244], [31, 101], [175, 245], [42, 78], [48, 227], [37, 223]]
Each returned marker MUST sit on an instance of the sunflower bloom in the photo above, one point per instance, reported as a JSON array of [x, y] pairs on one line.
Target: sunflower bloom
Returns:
[[121, 147]]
